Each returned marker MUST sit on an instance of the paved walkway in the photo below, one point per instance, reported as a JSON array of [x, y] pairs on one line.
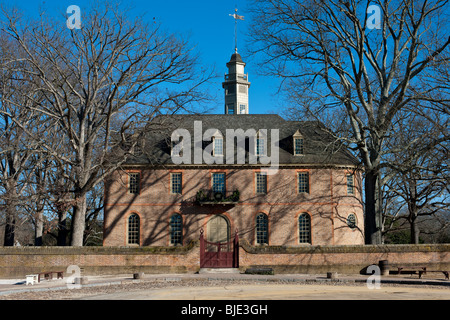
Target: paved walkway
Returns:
[[220, 286]]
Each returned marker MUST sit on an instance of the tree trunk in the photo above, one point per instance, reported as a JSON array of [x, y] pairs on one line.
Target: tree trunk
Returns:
[[415, 230], [9, 230], [372, 230], [10, 226], [38, 232], [79, 221], [62, 229]]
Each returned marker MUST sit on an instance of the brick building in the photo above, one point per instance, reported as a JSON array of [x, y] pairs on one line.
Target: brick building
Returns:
[[278, 182]]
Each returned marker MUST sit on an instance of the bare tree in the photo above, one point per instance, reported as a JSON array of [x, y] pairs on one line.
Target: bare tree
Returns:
[[16, 147], [418, 175], [337, 65], [113, 70]]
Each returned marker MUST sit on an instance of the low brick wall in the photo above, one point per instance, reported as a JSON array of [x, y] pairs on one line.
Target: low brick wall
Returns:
[[16, 262], [343, 259]]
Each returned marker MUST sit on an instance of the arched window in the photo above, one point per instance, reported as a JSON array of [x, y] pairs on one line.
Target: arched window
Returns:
[[351, 221], [262, 229], [304, 228], [176, 229], [133, 229]]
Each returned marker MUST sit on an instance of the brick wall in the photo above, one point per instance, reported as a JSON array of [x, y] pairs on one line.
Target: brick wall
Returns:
[[16, 262], [327, 203]]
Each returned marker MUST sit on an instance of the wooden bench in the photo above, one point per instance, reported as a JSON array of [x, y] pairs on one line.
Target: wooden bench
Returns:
[[48, 275], [411, 270], [446, 273]]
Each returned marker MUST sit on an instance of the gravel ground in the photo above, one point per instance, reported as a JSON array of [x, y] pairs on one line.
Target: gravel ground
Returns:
[[73, 294]]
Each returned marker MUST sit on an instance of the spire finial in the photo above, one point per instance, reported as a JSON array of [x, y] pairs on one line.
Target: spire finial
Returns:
[[236, 18]]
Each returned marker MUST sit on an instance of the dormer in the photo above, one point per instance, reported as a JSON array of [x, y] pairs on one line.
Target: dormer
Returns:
[[298, 144], [218, 143], [261, 143]]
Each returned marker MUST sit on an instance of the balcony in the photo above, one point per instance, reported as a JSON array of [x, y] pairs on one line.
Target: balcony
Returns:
[[209, 197]]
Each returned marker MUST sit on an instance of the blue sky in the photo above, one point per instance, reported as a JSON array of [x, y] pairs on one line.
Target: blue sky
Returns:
[[209, 28]]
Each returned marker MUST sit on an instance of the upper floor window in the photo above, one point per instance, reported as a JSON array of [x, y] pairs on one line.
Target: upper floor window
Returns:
[[177, 147], [303, 182], [218, 182], [176, 180], [260, 144], [350, 184], [218, 146], [134, 182], [261, 182], [133, 229], [298, 146]]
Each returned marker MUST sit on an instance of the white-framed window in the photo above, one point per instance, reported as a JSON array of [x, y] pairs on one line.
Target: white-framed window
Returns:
[[261, 182], [218, 182], [350, 184], [177, 147], [303, 182], [176, 183], [134, 182], [133, 229], [304, 228], [218, 146], [262, 228], [242, 109], [298, 146], [351, 221], [176, 229]]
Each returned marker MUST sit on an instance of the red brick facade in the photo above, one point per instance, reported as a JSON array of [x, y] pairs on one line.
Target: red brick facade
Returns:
[[327, 204]]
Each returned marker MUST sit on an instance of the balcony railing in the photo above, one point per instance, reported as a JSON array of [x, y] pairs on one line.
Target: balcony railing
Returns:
[[210, 197]]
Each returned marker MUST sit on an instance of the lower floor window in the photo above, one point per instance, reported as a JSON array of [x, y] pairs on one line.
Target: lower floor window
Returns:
[[304, 228], [262, 229], [176, 229], [133, 229]]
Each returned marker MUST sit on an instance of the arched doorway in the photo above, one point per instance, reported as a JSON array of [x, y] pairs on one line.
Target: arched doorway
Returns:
[[218, 229], [218, 250]]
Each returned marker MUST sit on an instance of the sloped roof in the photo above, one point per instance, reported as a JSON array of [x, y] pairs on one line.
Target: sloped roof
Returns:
[[320, 148]]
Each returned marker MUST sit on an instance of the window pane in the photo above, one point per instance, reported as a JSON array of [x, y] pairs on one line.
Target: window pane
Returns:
[[350, 184], [260, 151], [304, 228], [242, 109], [303, 182], [218, 182], [134, 183], [298, 146], [133, 229], [351, 220], [218, 146], [176, 182], [262, 229], [176, 229], [261, 183]]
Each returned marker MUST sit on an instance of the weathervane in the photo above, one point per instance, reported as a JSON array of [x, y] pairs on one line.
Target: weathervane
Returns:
[[236, 18]]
